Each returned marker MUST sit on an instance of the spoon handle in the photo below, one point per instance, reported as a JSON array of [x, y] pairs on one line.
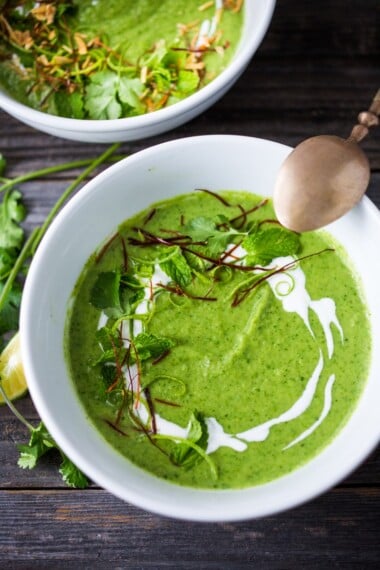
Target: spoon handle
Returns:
[[366, 119]]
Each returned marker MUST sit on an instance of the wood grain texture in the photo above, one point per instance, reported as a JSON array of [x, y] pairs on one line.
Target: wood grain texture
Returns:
[[317, 67], [95, 528]]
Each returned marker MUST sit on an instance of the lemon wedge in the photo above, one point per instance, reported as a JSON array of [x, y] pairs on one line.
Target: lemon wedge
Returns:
[[11, 370]]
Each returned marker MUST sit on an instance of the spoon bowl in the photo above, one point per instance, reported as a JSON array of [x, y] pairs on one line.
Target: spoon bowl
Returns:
[[324, 177], [321, 180]]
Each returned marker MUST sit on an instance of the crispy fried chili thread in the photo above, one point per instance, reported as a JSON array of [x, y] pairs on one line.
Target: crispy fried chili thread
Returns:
[[149, 216], [161, 357], [121, 408], [181, 293], [157, 240], [270, 221], [118, 365], [138, 377], [116, 428], [105, 247], [167, 403], [125, 254], [246, 212], [149, 401], [230, 252], [239, 298], [215, 195]]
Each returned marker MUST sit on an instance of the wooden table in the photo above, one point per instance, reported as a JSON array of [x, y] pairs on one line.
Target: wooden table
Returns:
[[317, 67]]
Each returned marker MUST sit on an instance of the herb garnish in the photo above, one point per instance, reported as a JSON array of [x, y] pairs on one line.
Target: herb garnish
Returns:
[[15, 253], [188, 255], [74, 74], [39, 444]]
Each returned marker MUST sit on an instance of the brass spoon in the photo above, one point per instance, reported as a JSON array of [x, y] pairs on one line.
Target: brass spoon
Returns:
[[324, 177]]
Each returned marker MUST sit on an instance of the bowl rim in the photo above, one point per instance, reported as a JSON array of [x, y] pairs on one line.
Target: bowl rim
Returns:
[[155, 505], [238, 63]]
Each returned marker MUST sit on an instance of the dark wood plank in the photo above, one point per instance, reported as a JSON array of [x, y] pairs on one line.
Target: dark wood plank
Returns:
[[316, 68], [46, 475], [94, 527]]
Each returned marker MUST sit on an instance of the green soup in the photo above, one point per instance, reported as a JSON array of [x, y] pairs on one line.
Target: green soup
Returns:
[[214, 348], [105, 59]]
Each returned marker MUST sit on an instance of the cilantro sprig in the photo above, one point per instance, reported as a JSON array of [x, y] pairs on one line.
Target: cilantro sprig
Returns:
[[15, 253], [40, 443]]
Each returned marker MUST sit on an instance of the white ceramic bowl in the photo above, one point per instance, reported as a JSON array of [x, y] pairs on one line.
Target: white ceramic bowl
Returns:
[[169, 169], [257, 16]]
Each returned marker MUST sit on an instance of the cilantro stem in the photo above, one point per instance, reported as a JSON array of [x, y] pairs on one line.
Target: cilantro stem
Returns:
[[23, 255], [94, 164], [14, 410], [11, 182]]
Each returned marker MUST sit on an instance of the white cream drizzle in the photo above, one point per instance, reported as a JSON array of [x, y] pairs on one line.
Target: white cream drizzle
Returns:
[[326, 408], [261, 432], [290, 289]]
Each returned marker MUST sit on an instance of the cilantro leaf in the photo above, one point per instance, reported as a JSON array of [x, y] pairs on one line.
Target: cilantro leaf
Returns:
[[205, 229], [71, 475], [7, 259], [40, 442], [263, 245], [9, 315], [12, 212], [108, 91], [187, 81], [177, 268], [130, 90], [149, 345], [101, 96]]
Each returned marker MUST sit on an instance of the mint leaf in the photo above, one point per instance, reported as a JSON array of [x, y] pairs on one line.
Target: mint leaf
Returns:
[[105, 291], [177, 268], [186, 456], [101, 96], [149, 345], [71, 475], [263, 245], [12, 212], [131, 293]]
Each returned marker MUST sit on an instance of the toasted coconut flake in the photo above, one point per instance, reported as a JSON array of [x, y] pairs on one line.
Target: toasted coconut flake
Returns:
[[44, 13], [206, 6], [81, 44], [144, 74]]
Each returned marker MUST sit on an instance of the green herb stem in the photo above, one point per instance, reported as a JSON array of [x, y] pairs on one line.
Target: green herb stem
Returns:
[[11, 182], [23, 255], [94, 164], [14, 410]]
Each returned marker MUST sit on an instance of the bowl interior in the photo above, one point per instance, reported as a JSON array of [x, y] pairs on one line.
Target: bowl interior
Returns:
[[214, 162]]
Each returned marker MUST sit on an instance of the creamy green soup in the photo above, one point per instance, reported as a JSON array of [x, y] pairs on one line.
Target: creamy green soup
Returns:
[[106, 59], [214, 348]]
